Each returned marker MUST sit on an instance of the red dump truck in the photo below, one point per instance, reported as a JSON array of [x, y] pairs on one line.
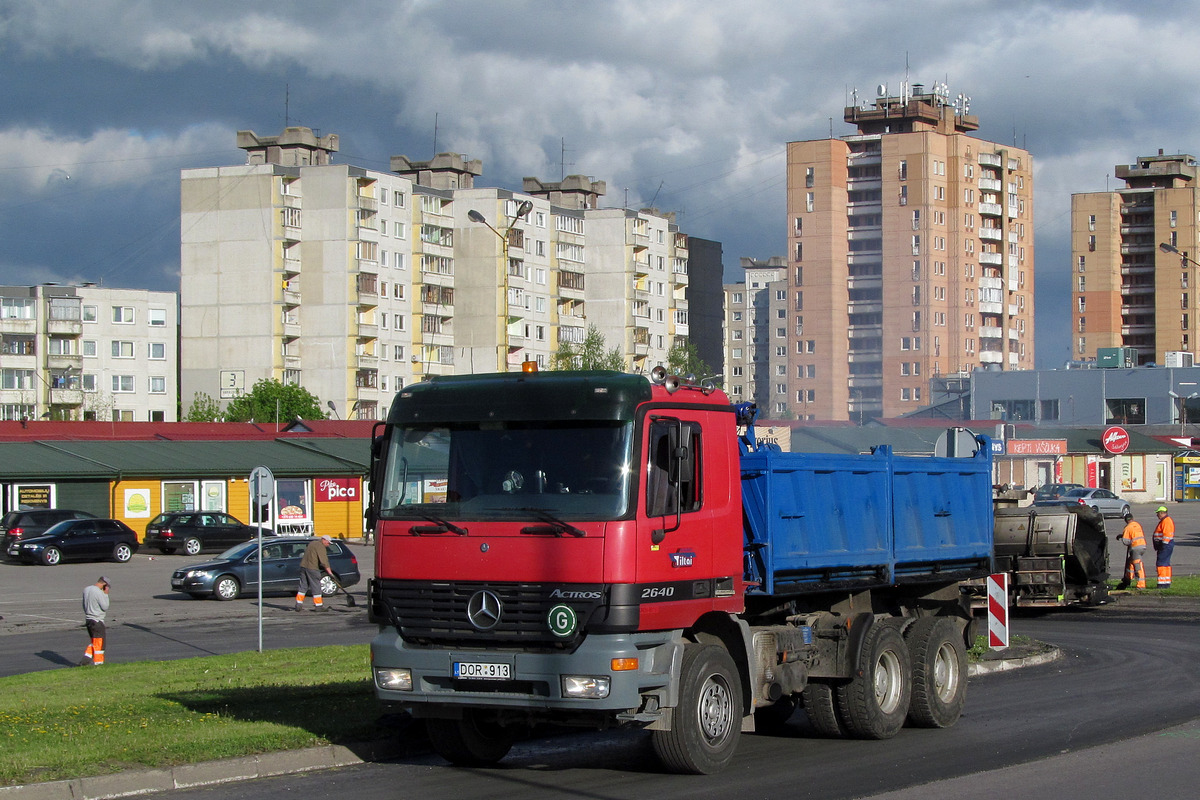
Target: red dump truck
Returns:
[[599, 549]]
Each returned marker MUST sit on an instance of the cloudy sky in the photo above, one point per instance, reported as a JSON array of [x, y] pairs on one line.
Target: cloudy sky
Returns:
[[687, 104]]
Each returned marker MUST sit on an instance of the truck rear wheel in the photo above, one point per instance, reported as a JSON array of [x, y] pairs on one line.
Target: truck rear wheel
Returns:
[[939, 669], [708, 720], [820, 703], [470, 741], [874, 703]]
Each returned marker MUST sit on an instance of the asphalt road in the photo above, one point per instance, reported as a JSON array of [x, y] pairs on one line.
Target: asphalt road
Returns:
[[1122, 708]]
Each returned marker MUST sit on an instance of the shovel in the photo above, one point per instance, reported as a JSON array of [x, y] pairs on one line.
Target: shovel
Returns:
[[350, 601]]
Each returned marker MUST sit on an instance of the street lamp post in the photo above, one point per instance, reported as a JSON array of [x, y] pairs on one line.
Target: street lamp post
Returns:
[[522, 210]]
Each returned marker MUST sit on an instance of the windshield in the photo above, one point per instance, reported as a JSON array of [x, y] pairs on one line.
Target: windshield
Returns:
[[495, 470]]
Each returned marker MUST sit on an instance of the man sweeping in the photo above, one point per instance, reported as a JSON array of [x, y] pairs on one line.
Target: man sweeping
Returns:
[[312, 564]]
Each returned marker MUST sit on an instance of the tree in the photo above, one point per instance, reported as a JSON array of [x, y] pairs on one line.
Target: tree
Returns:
[[682, 359], [272, 401], [203, 409], [591, 354]]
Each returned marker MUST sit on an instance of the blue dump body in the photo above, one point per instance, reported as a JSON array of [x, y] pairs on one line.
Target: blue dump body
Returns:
[[819, 522]]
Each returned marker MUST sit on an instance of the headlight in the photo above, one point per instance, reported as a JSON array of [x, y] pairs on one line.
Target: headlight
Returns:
[[592, 687], [398, 680], [33, 547], [198, 573]]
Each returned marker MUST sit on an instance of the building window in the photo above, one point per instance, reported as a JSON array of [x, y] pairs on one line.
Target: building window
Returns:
[[88, 382], [1092, 221], [1174, 218], [1049, 410], [122, 349], [157, 351], [809, 201], [89, 348], [157, 317], [1126, 411], [1091, 244], [122, 384], [158, 385], [89, 313], [122, 315]]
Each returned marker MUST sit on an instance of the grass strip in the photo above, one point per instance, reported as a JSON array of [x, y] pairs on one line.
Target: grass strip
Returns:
[[60, 724], [1181, 585]]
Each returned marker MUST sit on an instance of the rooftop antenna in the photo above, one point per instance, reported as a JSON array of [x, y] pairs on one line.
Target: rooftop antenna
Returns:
[[562, 159], [435, 124], [287, 99]]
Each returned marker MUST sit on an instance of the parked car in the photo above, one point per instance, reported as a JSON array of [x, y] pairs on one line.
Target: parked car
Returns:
[[1101, 500], [194, 531], [235, 572], [1054, 491], [34, 522], [78, 540]]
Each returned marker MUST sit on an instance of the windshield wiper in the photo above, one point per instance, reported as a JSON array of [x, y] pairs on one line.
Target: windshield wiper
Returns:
[[558, 527], [439, 526]]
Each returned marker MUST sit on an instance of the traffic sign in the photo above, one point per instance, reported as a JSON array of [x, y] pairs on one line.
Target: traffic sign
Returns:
[[262, 485]]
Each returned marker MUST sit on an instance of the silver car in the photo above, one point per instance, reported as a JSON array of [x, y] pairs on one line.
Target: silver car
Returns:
[[1102, 500]]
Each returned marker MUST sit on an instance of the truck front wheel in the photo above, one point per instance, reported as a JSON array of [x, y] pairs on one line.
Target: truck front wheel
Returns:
[[708, 720], [874, 703], [470, 741], [939, 667]]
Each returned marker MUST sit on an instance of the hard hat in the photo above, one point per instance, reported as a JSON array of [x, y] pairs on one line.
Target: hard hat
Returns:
[[1160, 508]]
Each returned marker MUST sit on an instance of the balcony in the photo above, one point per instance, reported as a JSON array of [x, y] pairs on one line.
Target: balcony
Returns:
[[995, 259], [991, 184], [291, 265], [27, 326], [291, 297], [368, 330], [991, 283], [990, 308], [991, 160], [66, 397], [1127, 249], [60, 361], [991, 209], [991, 234], [368, 203], [990, 332], [864, 381], [366, 360], [990, 357], [70, 327]]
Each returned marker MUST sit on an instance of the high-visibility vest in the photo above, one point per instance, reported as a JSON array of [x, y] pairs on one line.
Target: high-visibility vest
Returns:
[[1133, 535], [1164, 532]]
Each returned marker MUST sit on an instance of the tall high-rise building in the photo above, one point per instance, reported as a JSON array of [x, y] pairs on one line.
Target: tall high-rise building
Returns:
[[1133, 267], [910, 252], [353, 282]]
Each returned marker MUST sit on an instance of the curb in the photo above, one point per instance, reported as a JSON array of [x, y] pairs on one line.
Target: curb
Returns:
[[208, 773], [1006, 664]]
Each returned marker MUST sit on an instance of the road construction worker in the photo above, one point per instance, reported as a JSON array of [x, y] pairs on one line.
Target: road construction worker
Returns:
[[1134, 538], [1164, 543]]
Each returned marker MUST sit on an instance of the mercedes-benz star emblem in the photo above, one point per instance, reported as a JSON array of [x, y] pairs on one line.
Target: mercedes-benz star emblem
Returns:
[[483, 610]]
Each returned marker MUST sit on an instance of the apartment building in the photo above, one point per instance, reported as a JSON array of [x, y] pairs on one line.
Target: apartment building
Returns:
[[1134, 274], [756, 337], [88, 353], [353, 282], [910, 250]]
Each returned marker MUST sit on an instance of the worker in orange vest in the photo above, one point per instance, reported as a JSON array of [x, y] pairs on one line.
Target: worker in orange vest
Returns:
[[1164, 543], [1134, 538]]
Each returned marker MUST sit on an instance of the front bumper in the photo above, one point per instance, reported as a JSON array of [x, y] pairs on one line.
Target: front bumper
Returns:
[[535, 684]]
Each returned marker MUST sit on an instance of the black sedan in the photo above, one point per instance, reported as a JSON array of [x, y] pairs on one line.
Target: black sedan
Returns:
[[78, 540], [235, 572], [194, 531]]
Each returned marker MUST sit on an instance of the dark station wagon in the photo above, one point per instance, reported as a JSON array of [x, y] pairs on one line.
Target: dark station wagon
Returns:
[[194, 531]]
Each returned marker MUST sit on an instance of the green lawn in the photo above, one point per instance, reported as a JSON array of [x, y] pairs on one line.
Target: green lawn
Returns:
[[1181, 585], [95, 720]]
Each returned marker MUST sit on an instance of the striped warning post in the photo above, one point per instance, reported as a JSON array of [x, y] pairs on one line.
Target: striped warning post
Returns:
[[997, 589]]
